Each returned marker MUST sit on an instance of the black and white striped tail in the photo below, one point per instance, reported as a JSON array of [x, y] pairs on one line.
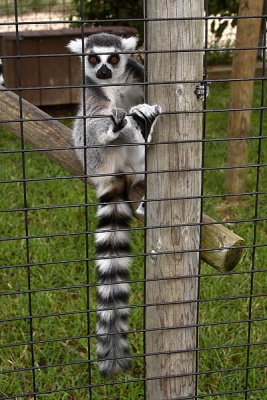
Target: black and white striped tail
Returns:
[[112, 243]]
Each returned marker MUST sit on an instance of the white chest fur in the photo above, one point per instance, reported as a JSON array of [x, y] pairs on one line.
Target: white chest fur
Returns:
[[124, 96]]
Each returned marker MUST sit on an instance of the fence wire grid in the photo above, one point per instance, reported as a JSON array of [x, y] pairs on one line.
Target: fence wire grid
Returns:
[[48, 217]]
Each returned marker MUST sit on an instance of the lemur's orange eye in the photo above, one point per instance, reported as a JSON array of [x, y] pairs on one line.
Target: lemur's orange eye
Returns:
[[93, 59], [114, 59]]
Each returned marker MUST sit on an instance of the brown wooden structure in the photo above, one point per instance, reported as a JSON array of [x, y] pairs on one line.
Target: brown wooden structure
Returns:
[[34, 70], [241, 95], [173, 267]]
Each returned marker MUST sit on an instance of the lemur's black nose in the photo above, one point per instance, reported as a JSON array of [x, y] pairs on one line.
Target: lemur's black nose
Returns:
[[104, 73]]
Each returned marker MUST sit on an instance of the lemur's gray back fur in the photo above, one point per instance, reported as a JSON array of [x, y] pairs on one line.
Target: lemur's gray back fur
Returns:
[[114, 116]]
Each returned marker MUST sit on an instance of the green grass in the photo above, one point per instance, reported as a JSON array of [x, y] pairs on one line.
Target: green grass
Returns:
[[58, 275]]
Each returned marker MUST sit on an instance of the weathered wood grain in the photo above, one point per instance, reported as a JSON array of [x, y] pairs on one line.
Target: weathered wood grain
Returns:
[[217, 236], [41, 134], [38, 71], [176, 66], [244, 66]]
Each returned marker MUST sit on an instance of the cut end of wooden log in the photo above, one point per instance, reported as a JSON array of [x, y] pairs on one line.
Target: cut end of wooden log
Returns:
[[234, 255], [224, 260], [227, 245]]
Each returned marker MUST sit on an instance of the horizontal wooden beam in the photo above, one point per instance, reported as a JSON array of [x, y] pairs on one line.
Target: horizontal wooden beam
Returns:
[[42, 132]]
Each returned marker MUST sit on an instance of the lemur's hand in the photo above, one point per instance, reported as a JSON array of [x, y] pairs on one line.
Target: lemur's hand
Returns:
[[145, 117], [119, 120], [146, 111]]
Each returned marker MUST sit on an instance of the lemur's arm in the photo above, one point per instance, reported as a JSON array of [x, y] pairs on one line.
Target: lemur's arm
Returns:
[[141, 120], [124, 129]]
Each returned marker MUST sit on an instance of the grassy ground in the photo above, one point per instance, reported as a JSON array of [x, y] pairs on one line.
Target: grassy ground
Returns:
[[232, 358]]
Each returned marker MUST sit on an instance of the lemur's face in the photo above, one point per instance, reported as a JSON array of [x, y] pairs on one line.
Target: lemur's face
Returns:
[[105, 63], [104, 56]]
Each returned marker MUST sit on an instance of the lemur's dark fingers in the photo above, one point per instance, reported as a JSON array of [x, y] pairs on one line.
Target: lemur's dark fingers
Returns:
[[145, 116], [118, 114], [118, 117], [146, 110]]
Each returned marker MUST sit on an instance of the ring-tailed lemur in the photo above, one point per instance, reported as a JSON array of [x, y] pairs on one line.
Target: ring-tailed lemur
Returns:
[[120, 119]]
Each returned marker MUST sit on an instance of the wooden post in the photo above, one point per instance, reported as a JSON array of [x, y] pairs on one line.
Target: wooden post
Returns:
[[244, 65], [173, 66]]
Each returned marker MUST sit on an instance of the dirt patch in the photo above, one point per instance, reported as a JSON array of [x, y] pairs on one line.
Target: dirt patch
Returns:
[[36, 21]]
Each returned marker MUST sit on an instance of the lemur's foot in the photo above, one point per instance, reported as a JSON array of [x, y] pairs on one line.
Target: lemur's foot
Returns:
[[119, 120], [145, 116]]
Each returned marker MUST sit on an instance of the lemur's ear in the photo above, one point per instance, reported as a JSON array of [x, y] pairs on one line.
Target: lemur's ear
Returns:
[[129, 43], [75, 46]]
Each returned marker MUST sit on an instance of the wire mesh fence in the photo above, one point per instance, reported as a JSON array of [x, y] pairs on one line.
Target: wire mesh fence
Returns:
[[32, 12], [48, 218]]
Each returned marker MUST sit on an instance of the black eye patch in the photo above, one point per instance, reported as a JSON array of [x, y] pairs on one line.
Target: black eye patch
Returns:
[[94, 59], [113, 59]]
